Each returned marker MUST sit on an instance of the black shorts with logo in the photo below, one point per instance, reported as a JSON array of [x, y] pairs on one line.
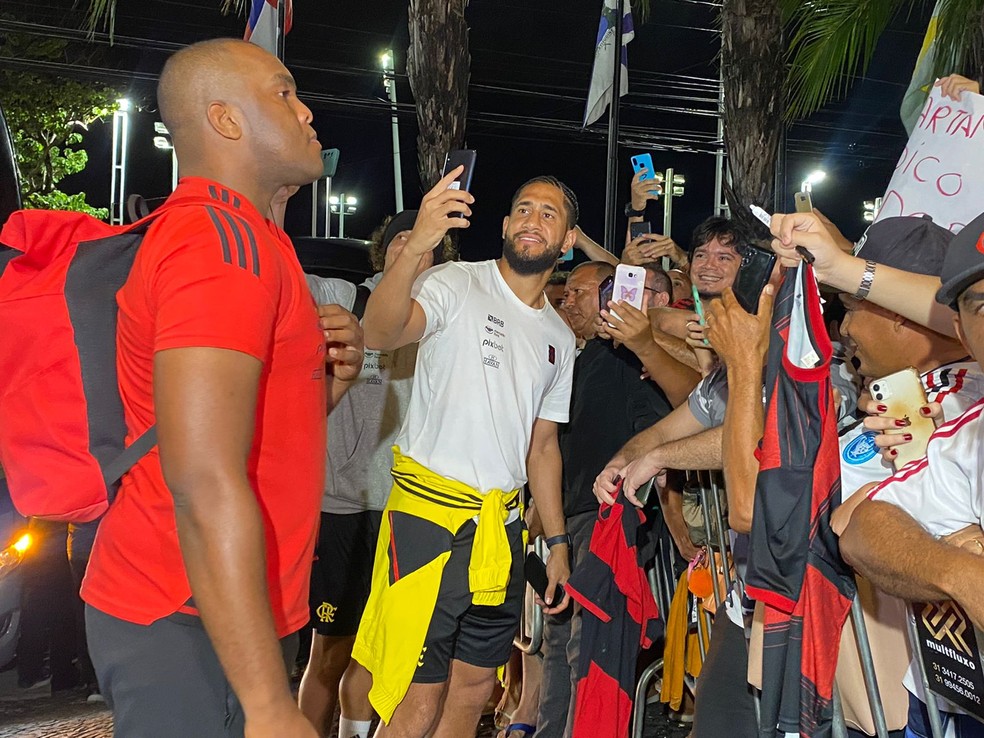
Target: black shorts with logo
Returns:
[[341, 576], [480, 635]]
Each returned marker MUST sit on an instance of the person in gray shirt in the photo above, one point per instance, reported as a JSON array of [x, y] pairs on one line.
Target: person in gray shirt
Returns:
[[362, 428]]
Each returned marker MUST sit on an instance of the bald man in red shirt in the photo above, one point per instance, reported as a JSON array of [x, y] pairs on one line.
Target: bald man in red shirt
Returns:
[[199, 574]]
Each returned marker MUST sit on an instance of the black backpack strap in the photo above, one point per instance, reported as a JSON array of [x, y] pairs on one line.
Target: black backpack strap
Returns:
[[119, 466], [361, 298]]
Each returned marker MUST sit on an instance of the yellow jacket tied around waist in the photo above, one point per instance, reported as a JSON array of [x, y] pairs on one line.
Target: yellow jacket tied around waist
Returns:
[[404, 588]]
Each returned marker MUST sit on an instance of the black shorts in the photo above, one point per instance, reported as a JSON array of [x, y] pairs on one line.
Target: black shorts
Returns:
[[341, 576], [164, 679], [480, 635]]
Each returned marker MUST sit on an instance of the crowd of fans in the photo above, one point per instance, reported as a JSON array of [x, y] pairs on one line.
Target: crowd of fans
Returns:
[[463, 384]]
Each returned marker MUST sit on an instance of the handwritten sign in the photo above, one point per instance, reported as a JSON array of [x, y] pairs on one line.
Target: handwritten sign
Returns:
[[941, 170]]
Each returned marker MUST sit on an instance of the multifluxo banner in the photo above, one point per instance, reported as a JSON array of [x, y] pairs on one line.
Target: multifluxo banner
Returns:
[[948, 644]]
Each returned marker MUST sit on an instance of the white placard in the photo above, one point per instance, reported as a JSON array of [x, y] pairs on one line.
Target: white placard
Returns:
[[941, 170]]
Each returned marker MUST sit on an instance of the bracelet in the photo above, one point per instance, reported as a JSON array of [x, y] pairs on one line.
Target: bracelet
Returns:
[[562, 538], [866, 280], [631, 212]]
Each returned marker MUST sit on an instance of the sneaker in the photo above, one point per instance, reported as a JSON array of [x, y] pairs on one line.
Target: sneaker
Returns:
[[94, 696]]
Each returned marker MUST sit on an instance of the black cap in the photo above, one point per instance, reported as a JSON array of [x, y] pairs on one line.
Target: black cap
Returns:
[[402, 221], [914, 244], [964, 263]]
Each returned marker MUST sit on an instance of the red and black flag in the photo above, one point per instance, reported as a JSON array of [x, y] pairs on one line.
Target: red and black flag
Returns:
[[618, 620], [794, 565]]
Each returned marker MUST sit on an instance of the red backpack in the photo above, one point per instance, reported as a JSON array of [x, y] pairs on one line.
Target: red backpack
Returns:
[[62, 429]]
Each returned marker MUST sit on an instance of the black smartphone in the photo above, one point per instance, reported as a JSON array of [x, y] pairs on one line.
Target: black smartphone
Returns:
[[639, 229], [536, 575], [753, 274], [457, 158], [605, 291]]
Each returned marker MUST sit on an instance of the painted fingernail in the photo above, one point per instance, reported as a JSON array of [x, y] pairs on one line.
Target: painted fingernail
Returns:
[[925, 411], [906, 436], [893, 453], [901, 423], [882, 408]]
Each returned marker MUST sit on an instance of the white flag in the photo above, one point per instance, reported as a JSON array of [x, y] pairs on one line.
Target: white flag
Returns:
[[600, 93]]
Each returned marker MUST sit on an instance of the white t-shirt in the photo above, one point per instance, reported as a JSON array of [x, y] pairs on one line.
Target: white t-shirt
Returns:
[[488, 366], [943, 491], [955, 386]]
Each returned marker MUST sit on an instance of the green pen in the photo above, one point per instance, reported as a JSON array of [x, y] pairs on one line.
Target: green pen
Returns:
[[699, 308]]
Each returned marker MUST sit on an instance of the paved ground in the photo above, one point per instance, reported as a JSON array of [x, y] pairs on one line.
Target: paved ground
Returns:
[[67, 715]]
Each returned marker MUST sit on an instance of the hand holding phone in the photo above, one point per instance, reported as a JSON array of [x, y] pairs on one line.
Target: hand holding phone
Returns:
[[754, 273], [630, 284], [442, 208], [699, 309], [902, 395], [639, 229], [536, 575], [460, 158], [653, 190]]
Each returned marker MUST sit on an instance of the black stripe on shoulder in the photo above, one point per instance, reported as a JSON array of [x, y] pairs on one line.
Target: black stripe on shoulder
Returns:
[[240, 244], [226, 251], [235, 202], [212, 192], [225, 196], [253, 251]]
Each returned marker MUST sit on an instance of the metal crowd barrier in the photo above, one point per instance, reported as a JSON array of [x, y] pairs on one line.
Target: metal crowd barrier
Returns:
[[663, 585]]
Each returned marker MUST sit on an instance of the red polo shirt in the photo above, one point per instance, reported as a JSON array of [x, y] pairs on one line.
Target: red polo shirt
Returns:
[[212, 272]]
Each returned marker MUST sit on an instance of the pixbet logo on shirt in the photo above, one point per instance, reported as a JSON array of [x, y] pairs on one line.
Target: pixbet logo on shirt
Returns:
[[492, 345]]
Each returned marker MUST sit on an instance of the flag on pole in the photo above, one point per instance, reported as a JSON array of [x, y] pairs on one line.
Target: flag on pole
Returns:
[[922, 76], [261, 27], [600, 93]]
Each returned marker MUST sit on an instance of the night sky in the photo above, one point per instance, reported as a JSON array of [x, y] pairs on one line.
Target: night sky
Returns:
[[531, 64]]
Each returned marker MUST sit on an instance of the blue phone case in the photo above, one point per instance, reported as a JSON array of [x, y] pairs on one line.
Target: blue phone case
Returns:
[[644, 161]]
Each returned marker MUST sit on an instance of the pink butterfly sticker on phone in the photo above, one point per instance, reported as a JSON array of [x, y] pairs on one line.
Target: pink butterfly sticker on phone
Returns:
[[628, 295]]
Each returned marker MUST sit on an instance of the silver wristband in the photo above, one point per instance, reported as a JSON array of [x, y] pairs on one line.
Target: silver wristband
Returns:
[[866, 280]]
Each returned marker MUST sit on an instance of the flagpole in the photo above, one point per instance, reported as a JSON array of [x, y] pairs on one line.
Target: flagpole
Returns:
[[281, 27], [611, 195]]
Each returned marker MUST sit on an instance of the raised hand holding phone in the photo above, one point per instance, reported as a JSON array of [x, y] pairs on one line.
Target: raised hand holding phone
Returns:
[[441, 209]]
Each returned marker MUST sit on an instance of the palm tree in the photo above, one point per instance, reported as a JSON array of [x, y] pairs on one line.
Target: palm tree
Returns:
[[438, 65], [832, 40]]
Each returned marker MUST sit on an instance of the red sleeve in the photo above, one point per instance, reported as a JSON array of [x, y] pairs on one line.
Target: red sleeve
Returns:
[[212, 282]]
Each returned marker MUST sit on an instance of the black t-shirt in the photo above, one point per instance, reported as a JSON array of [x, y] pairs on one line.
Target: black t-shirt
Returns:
[[609, 405]]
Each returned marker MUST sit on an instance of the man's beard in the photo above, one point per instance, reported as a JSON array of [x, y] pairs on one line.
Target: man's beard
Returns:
[[529, 265]]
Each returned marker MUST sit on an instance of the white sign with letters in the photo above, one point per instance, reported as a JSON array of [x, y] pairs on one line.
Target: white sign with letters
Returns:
[[941, 170]]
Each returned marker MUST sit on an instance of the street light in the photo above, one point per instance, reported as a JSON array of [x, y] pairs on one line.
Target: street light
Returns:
[[163, 142], [389, 82], [343, 205], [871, 208], [117, 182], [813, 178]]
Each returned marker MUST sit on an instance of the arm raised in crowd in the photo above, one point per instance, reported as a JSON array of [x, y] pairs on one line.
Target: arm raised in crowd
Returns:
[[632, 328], [592, 249], [912, 296], [393, 318], [741, 340]]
